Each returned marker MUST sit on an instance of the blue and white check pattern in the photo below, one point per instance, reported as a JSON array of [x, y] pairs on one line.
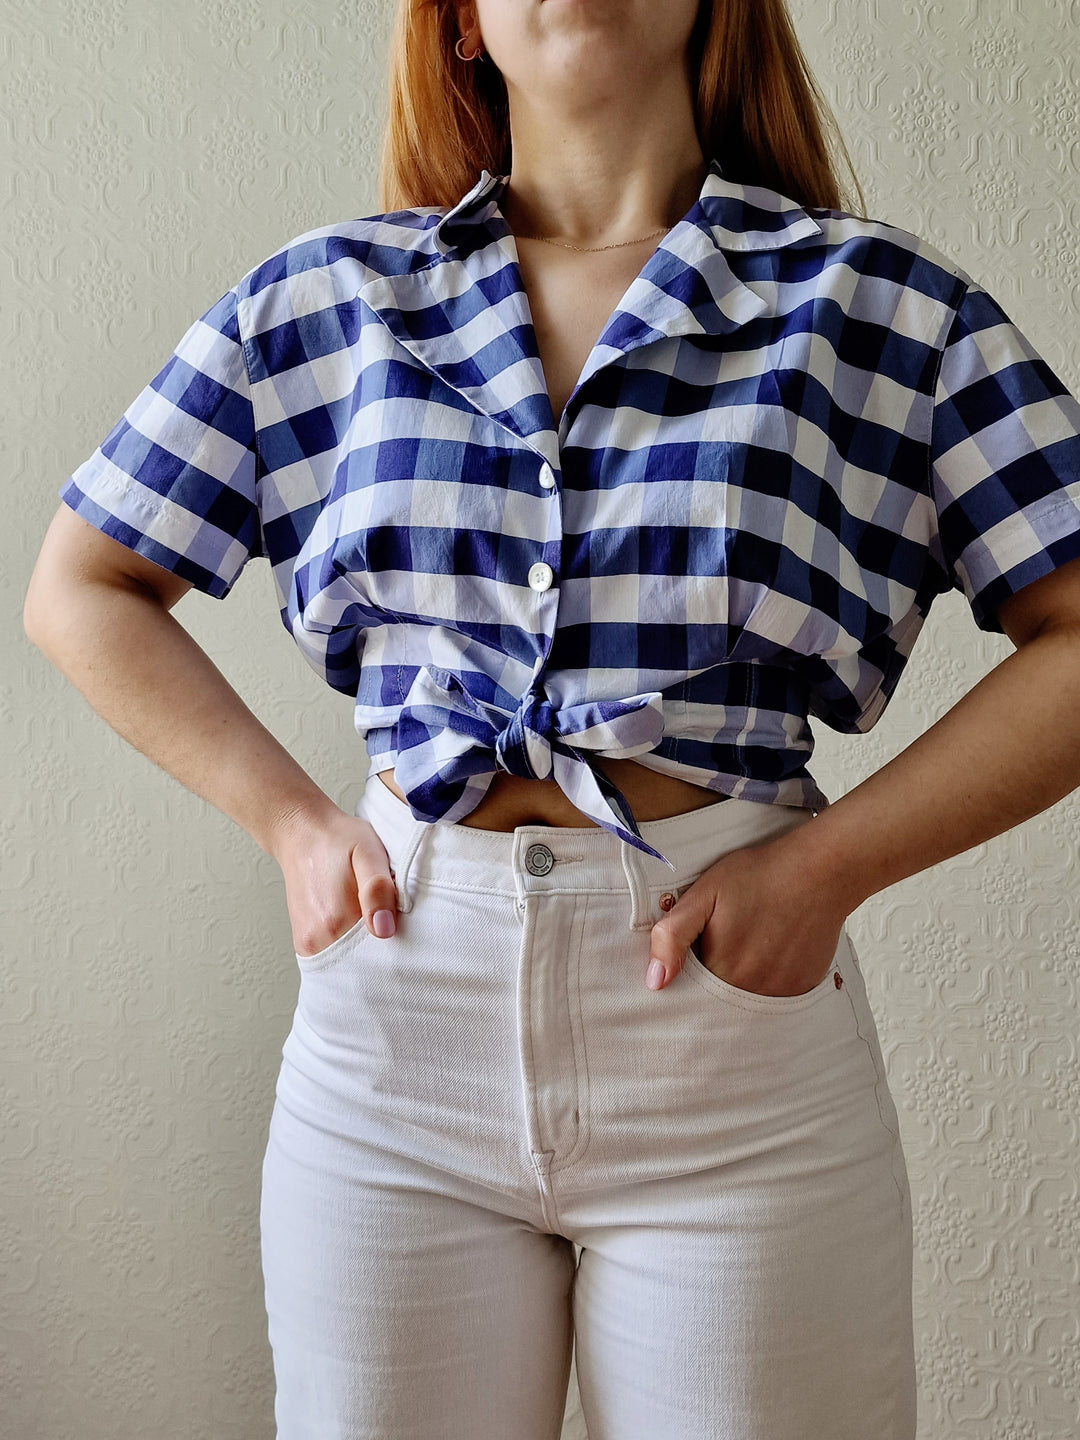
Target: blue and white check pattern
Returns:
[[796, 429]]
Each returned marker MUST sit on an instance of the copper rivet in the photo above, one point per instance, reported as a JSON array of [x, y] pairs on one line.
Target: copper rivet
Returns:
[[667, 900]]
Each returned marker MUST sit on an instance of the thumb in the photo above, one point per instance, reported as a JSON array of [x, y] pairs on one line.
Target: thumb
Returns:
[[675, 931], [376, 887]]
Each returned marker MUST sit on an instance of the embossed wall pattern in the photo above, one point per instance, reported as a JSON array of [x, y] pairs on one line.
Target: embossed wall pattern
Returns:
[[152, 154]]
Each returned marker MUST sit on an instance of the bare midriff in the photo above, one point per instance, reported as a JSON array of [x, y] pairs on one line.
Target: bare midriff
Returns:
[[512, 800]]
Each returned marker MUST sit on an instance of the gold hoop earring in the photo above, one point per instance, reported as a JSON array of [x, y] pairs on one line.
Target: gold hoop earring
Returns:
[[457, 51]]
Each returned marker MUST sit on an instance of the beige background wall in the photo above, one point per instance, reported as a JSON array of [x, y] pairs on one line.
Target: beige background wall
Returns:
[[153, 152]]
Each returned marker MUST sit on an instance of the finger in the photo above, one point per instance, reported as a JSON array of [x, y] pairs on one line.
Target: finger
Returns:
[[675, 931], [375, 885]]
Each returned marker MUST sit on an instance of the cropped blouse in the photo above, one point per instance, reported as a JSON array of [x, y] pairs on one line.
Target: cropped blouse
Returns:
[[796, 428]]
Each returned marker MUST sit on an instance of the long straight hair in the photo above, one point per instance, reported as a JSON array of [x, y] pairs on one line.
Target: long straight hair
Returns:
[[757, 109]]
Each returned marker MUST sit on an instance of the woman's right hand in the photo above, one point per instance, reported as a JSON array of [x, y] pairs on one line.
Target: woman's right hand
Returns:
[[336, 871]]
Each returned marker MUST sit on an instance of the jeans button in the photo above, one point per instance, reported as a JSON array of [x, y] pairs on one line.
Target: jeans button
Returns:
[[538, 860]]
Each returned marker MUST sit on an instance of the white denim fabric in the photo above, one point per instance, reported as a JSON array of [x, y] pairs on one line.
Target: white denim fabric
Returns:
[[491, 1142]]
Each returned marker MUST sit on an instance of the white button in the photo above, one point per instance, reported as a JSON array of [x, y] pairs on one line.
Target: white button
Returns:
[[540, 576], [547, 479]]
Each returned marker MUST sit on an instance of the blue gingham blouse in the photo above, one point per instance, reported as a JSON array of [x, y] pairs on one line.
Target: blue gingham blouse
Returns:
[[796, 429]]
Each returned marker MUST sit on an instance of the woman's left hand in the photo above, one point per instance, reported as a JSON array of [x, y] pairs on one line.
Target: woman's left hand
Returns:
[[766, 923]]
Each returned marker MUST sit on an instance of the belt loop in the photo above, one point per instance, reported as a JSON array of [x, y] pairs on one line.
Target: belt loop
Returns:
[[404, 867], [633, 868]]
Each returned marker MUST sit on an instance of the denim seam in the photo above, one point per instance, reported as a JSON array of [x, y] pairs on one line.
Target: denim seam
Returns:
[[879, 1079], [584, 1135], [406, 864], [329, 955], [437, 885], [733, 1000]]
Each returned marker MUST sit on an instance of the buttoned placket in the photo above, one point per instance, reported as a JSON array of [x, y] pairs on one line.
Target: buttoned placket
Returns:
[[541, 575], [660, 306]]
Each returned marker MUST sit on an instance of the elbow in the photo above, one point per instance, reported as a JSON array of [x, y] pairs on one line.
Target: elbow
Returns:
[[43, 613], [33, 622], [37, 631]]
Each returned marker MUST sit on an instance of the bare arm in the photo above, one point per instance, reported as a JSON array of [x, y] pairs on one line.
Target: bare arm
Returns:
[[770, 917], [103, 620], [100, 613], [1005, 752]]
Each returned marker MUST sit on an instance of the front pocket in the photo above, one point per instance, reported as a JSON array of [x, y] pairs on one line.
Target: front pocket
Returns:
[[699, 972], [333, 952]]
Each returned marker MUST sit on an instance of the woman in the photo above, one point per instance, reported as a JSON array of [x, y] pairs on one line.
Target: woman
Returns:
[[590, 479]]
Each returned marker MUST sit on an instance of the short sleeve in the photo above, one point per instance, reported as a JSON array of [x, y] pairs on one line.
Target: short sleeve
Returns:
[[175, 479], [1004, 459]]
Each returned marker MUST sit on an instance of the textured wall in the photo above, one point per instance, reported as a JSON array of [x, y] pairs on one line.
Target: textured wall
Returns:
[[153, 153]]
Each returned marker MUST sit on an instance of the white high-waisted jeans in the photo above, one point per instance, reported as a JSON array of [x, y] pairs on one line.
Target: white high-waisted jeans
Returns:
[[491, 1142]]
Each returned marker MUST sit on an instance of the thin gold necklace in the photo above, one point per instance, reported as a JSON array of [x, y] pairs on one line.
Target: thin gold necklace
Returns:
[[614, 246]]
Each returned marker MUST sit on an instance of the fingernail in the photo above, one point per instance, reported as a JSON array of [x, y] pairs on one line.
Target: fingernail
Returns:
[[383, 923], [655, 975]]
